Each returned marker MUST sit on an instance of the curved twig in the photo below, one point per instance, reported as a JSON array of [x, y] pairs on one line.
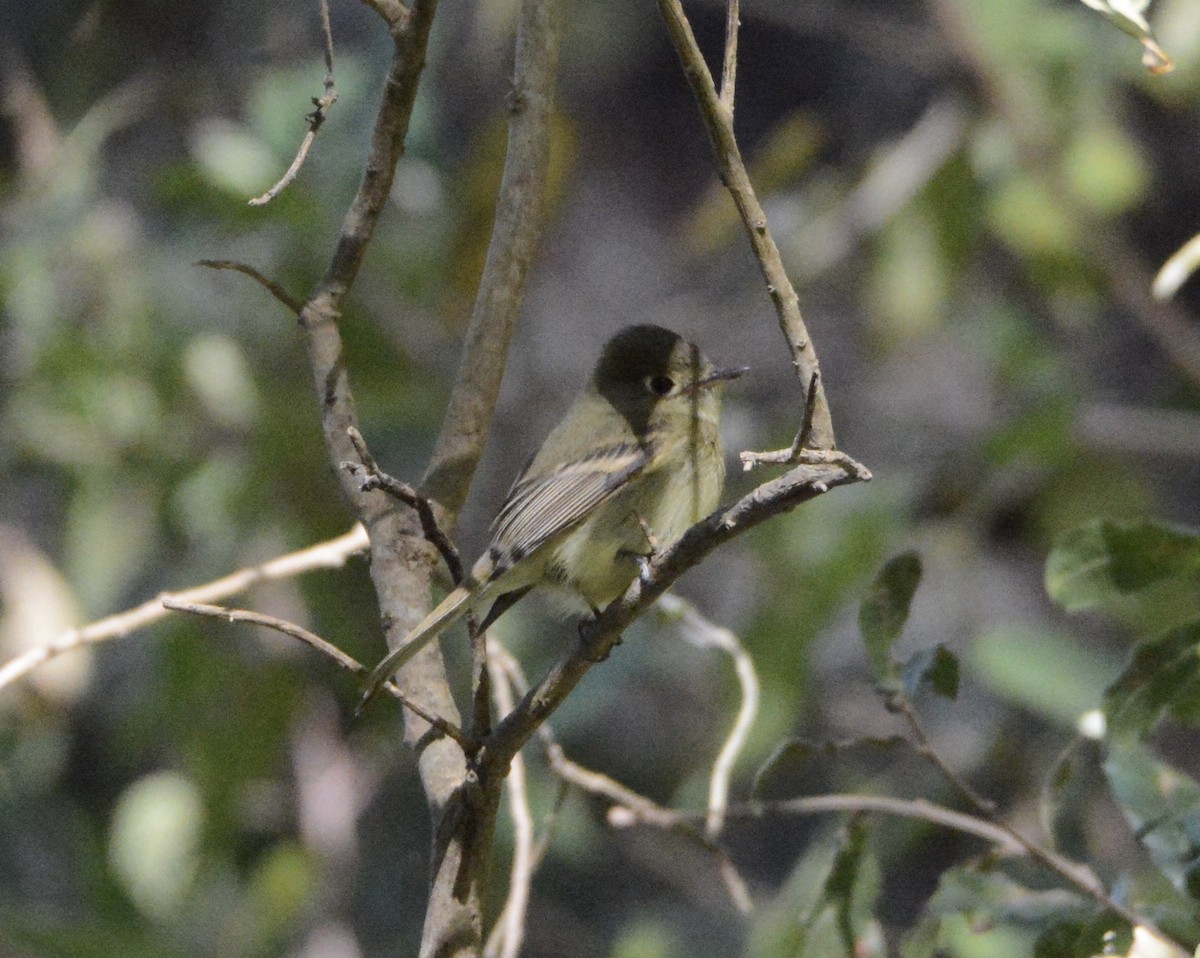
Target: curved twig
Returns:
[[327, 649], [700, 631], [324, 555], [315, 119], [272, 287], [718, 120]]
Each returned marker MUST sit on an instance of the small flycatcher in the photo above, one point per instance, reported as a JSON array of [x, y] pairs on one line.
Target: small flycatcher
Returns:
[[638, 455]]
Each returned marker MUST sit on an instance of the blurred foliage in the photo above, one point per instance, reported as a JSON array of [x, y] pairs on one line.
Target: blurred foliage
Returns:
[[968, 193]]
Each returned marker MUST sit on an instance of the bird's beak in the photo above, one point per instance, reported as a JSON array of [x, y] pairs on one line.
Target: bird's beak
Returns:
[[721, 375]]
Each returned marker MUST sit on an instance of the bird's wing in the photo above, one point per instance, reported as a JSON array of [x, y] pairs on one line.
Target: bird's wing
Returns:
[[540, 507]]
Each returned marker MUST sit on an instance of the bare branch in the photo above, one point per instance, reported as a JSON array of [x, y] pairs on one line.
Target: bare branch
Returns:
[[315, 119], [325, 555], [917, 808], [718, 120], [704, 633], [269, 285], [597, 636], [1076, 874], [629, 806], [376, 478], [729, 65], [328, 649], [509, 933], [515, 235]]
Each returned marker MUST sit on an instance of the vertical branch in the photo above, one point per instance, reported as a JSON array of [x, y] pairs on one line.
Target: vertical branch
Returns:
[[718, 120], [515, 235], [729, 67], [464, 829], [510, 932]]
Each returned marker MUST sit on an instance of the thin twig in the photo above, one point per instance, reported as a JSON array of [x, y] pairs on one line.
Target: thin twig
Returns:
[[326, 648], [718, 121], [729, 66], [797, 452], [700, 631], [917, 808], [269, 285], [597, 783], [395, 14], [314, 119], [509, 933], [481, 701], [331, 554], [628, 804], [1074, 873], [376, 478]]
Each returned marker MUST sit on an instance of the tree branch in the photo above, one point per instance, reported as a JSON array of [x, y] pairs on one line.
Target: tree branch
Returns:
[[597, 636], [315, 119], [327, 649], [272, 287], [718, 121], [515, 235], [324, 555]]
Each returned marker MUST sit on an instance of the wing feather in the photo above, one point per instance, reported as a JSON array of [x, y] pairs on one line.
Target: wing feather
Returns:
[[538, 508]]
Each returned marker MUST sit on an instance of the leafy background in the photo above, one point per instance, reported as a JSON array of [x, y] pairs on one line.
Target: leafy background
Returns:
[[971, 197]]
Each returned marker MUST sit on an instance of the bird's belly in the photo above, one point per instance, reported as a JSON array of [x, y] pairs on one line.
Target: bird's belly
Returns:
[[603, 550]]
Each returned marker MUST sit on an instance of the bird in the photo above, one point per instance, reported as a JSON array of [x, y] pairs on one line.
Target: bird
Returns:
[[635, 461]]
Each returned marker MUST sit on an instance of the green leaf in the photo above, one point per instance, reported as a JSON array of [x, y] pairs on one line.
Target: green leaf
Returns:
[[785, 757], [936, 667], [991, 895], [1104, 560], [1163, 677], [846, 881], [885, 609], [1085, 938], [1163, 806], [796, 756]]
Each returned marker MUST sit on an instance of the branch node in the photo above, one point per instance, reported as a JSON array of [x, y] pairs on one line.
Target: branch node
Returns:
[[371, 477]]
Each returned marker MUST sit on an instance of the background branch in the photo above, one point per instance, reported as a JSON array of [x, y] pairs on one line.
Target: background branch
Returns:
[[324, 555], [718, 121], [701, 632], [516, 231], [315, 119]]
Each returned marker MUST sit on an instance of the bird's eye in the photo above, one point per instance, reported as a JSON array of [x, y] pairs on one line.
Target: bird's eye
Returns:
[[660, 385]]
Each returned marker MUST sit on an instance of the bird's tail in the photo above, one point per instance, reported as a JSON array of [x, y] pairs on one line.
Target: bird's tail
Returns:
[[449, 611]]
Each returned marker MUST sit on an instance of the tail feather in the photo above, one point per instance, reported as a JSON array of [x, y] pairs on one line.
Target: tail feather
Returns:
[[449, 611]]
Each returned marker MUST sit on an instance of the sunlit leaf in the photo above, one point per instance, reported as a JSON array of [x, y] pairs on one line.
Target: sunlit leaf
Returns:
[[1128, 16], [1177, 269]]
